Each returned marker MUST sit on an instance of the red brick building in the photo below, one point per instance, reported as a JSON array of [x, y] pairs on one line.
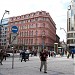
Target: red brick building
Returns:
[[36, 30]]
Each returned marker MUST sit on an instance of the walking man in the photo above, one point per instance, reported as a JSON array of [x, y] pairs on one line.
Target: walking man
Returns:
[[43, 58], [1, 56]]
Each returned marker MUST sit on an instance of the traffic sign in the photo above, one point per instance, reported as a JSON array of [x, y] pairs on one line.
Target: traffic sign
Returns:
[[14, 38], [14, 29]]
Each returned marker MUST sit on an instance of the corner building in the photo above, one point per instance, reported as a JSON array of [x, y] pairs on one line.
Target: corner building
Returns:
[[37, 30]]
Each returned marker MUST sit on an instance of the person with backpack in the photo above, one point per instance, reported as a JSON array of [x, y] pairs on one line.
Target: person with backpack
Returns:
[[23, 55]]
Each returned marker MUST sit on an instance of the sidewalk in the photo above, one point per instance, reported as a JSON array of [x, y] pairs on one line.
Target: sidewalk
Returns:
[[56, 66]]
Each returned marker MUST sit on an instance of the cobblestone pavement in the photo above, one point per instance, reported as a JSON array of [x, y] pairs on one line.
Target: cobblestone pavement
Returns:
[[55, 66]]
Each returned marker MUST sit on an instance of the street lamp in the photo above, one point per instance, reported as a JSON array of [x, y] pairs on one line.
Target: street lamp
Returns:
[[6, 11], [64, 30], [1, 25], [43, 40], [65, 33], [66, 36]]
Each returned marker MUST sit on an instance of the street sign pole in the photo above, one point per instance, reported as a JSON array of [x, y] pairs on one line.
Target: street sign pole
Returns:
[[13, 59], [14, 30]]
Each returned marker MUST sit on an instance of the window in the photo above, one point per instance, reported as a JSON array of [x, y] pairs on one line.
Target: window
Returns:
[[26, 21], [43, 24], [24, 16], [72, 28], [40, 19], [21, 27], [20, 34], [70, 35], [24, 33], [29, 20], [23, 21], [36, 32], [28, 26], [40, 13], [4, 43], [31, 41], [74, 41], [16, 22], [74, 35], [43, 32], [5, 28], [36, 19], [4, 39], [36, 25], [25, 26], [27, 33], [26, 41], [19, 22], [44, 18], [32, 33], [31, 26], [72, 13], [69, 23], [5, 32]]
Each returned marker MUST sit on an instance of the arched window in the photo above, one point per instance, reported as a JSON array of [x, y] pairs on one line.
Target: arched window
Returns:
[[43, 32]]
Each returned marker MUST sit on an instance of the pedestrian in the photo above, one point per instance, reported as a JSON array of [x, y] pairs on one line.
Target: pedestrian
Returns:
[[1, 56], [23, 54], [72, 55], [68, 54], [49, 53], [5, 55], [43, 58], [35, 52]]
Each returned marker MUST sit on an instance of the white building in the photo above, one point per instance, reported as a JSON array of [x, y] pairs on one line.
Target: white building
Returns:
[[3, 40], [71, 25]]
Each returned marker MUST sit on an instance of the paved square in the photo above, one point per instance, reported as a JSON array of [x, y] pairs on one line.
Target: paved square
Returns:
[[55, 66]]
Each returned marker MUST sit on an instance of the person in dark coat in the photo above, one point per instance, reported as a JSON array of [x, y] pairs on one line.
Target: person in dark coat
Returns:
[[23, 56], [1, 56], [43, 58], [72, 55]]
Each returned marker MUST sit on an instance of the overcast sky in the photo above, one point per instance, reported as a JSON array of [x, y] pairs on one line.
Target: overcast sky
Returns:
[[56, 8]]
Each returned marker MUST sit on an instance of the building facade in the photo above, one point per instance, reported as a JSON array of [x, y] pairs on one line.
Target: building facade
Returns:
[[3, 33], [35, 30], [71, 26]]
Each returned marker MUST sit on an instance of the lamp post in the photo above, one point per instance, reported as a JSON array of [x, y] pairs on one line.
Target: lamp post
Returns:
[[43, 40], [6, 11], [64, 30], [12, 58], [1, 25], [66, 36]]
